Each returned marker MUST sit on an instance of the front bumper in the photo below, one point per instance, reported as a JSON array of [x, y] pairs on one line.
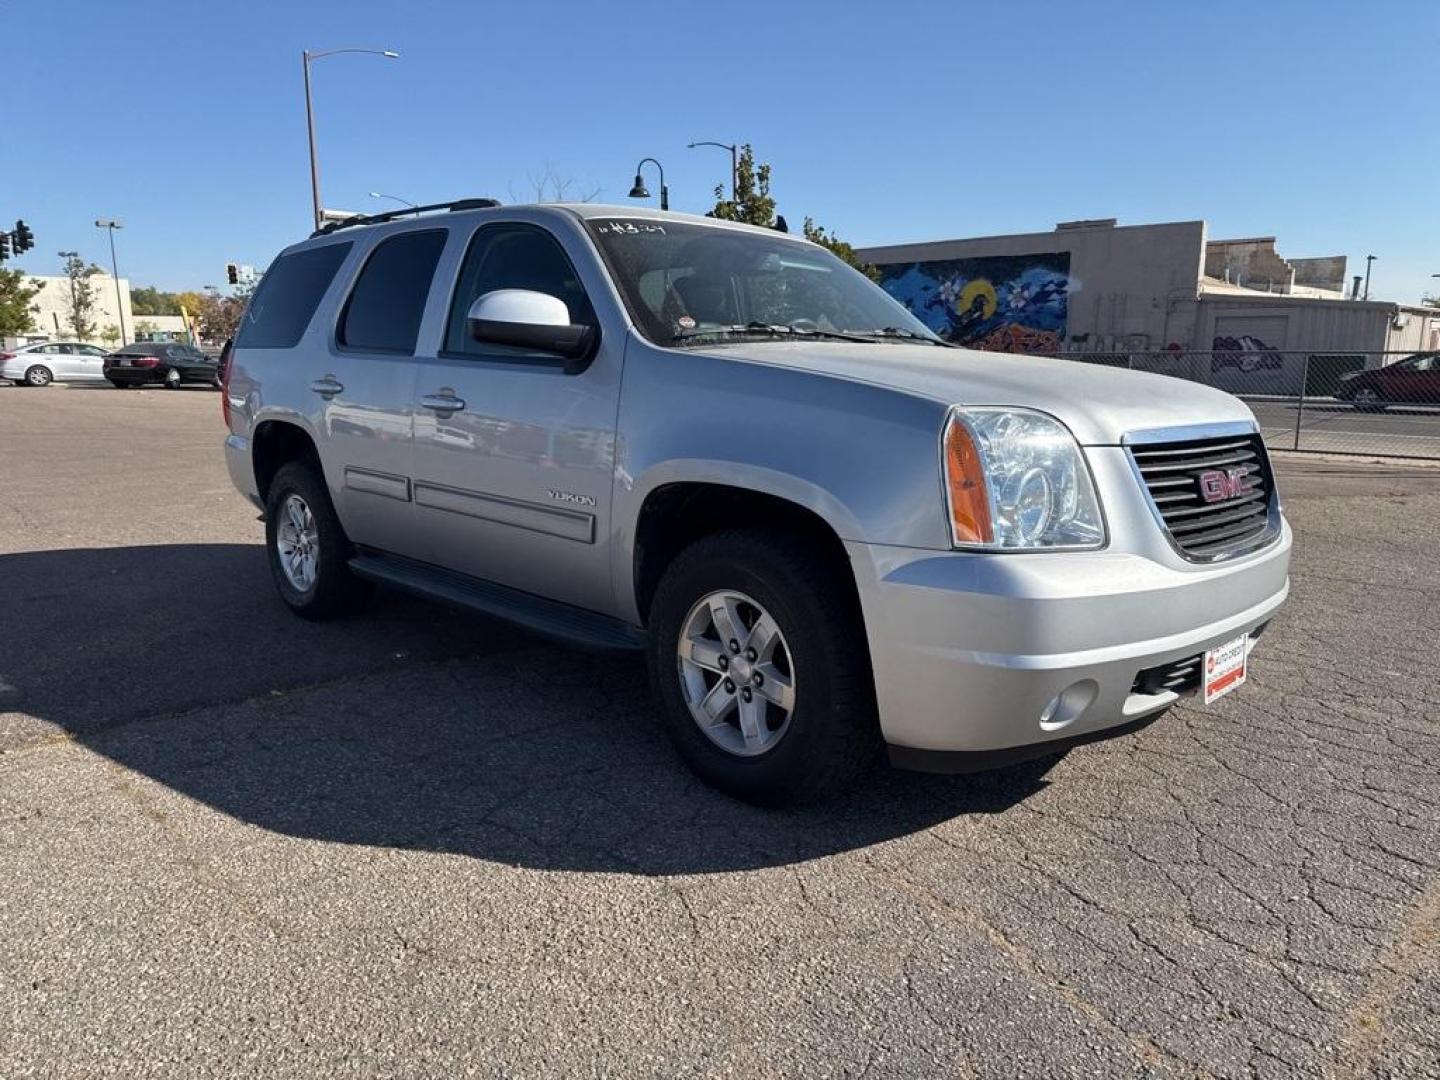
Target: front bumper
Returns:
[[978, 654]]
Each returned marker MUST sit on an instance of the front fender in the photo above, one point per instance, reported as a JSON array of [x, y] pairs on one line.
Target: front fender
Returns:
[[863, 457]]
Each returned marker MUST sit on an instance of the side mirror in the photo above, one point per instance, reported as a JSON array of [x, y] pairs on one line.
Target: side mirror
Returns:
[[532, 320]]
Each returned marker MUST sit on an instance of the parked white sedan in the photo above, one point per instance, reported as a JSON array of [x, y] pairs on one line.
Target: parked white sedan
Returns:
[[52, 361]]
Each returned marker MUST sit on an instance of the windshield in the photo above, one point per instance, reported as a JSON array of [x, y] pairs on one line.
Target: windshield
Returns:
[[687, 283]]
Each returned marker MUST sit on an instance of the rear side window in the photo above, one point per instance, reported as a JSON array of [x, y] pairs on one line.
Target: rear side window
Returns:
[[384, 310], [287, 298]]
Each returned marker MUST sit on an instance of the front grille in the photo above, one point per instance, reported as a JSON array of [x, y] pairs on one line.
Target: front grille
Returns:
[[1177, 677], [1238, 521]]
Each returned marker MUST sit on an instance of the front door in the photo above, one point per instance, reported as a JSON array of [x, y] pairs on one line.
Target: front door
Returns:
[[513, 457]]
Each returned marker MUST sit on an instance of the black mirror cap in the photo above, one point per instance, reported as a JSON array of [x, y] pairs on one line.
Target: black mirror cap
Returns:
[[574, 342]]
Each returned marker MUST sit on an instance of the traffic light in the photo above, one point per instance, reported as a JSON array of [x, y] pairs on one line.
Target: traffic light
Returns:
[[22, 239], [232, 273], [4, 246]]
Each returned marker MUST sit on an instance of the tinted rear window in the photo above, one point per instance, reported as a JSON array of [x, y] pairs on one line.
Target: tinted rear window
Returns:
[[384, 310], [287, 298]]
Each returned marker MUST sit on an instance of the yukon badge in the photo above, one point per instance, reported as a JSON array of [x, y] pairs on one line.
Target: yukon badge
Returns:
[[571, 497]]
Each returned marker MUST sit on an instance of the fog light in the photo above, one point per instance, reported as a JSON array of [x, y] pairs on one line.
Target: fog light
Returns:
[[1067, 706]]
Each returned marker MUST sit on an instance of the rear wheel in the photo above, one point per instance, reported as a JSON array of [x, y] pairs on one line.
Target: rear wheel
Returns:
[[39, 375], [759, 661], [308, 550], [172, 379]]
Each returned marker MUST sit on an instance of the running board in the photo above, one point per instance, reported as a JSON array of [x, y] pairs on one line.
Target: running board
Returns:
[[548, 617]]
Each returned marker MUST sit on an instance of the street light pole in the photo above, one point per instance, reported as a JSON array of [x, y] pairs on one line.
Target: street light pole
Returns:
[[305, 57], [734, 163], [111, 226]]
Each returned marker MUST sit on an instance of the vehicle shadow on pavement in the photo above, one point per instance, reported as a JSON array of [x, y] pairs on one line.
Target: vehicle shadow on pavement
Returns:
[[407, 726]]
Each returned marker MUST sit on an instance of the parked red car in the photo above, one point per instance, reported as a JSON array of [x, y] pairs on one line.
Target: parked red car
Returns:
[[1412, 381]]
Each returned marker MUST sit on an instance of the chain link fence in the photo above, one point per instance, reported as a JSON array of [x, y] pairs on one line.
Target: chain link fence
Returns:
[[1385, 403]]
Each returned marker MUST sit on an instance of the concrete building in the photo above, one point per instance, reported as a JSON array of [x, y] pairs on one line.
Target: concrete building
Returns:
[[1100, 287], [52, 315], [52, 310]]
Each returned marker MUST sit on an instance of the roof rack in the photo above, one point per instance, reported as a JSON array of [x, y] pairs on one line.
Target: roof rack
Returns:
[[391, 215]]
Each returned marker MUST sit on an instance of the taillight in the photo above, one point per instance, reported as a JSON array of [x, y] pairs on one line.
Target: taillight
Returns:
[[145, 361], [6, 356], [227, 362]]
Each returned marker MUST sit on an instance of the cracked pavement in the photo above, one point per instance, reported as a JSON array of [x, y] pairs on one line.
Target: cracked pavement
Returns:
[[420, 844]]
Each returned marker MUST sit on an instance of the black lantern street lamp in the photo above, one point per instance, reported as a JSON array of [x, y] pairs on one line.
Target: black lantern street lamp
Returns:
[[639, 191]]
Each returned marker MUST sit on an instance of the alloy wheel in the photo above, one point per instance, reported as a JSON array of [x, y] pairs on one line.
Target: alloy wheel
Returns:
[[297, 541], [736, 673]]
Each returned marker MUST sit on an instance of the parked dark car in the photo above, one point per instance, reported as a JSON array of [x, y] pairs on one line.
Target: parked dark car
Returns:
[[147, 363], [1412, 381]]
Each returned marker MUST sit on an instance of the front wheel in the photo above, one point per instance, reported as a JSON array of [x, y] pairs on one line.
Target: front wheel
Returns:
[[758, 656], [307, 547], [1367, 399]]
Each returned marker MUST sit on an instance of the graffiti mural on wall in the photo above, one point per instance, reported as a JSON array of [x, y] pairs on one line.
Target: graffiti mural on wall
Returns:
[[1246, 352], [1004, 303]]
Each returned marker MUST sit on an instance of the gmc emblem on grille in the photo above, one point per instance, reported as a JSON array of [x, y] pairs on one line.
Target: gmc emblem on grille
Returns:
[[1217, 486]]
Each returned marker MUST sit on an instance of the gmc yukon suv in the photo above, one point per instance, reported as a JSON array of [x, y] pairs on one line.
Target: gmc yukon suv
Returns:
[[830, 531]]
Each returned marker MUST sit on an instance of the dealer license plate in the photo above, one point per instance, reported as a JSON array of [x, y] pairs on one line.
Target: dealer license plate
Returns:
[[1225, 667]]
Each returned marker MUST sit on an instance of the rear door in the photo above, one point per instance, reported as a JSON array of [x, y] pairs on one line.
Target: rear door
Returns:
[[513, 457], [1406, 380], [87, 359], [367, 386]]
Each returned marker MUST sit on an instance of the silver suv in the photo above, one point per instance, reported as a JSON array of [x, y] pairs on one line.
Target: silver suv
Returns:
[[829, 531]]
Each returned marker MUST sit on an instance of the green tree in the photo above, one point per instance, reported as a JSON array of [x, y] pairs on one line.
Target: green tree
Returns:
[[110, 335], [149, 300], [81, 311], [17, 314], [816, 234], [753, 204]]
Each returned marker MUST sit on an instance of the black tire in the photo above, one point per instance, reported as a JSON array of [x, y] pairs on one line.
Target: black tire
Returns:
[[335, 591], [172, 380], [833, 734], [39, 375]]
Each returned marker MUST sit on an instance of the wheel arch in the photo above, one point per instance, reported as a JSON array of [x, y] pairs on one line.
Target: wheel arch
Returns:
[[676, 512], [273, 444]]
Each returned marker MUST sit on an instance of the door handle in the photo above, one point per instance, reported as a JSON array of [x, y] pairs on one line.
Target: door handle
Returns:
[[327, 387], [444, 403]]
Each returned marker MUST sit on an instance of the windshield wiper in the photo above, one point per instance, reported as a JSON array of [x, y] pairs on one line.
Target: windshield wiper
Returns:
[[896, 332], [773, 329]]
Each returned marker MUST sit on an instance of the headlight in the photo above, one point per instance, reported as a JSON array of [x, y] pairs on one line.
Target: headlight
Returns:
[[1016, 480]]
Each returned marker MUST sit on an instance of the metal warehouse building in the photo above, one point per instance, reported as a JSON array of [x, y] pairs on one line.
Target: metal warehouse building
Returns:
[[1099, 287]]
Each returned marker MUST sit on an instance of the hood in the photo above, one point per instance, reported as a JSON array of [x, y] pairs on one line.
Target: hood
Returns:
[[1098, 404]]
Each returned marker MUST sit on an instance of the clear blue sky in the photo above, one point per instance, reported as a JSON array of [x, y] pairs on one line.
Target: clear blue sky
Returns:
[[1311, 120]]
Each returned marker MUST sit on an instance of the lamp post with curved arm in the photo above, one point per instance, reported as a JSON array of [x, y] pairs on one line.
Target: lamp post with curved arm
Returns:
[[306, 57], [639, 191], [394, 198], [734, 163]]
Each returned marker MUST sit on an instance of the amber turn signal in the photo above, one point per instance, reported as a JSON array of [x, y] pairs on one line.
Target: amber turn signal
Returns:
[[965, 486]]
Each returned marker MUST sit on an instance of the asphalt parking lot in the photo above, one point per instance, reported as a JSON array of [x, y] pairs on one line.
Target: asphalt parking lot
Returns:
[[420, 844]]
